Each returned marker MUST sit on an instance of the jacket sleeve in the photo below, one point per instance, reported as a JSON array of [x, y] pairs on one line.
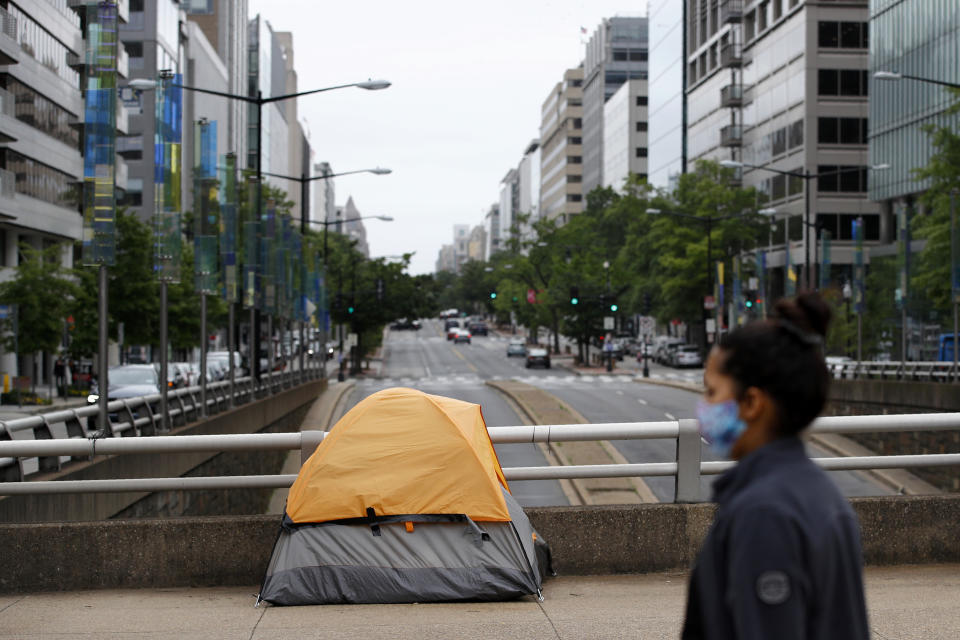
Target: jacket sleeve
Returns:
[[768, 587]]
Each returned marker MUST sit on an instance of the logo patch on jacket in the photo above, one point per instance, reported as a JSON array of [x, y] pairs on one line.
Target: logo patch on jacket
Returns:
[[773, 587]]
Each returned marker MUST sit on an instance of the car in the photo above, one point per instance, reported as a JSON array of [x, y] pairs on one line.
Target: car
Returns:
[[478, 328], [663, 346], [405, 325], [462, 335], [537, 357], [452, 331], [686, 355], [223, 358], [128, 381], [516, 348]]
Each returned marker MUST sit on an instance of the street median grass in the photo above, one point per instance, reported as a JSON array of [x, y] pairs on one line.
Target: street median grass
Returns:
[[542, 407]]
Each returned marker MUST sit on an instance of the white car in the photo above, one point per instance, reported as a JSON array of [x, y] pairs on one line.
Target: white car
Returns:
[[686, 355]]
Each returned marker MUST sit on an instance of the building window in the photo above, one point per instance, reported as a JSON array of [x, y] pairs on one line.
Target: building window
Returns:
[[842, 82], [641, 126], [574, 140], [574, 159], [843, 35], [841, 179], [42, 114], [750, 26], [840, 225], [638, 56], [573, 178], [762, 16], [795, 134], [40, 181], [641, 101], [842, 130], [641, 152], [574, 197], [619, 54]]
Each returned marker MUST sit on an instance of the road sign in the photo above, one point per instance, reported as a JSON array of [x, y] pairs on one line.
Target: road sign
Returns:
[[709, 303], [6, 311], [608, 323], [351, 340], [711, 325]]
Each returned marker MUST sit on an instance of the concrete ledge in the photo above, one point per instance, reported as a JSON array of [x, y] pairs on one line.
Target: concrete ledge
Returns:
[[181, 552]]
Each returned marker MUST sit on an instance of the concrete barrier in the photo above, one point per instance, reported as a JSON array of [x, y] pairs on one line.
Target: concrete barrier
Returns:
[[180, 552], [281, 411]]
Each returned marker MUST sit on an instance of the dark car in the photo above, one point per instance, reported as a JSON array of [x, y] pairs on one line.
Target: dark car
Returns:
[[538, 357], [516, 348], [405, 325], [129, 381], [478, 328]]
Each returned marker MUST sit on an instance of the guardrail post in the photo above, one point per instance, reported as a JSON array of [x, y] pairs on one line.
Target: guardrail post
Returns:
[[309, 441], [687, 487]]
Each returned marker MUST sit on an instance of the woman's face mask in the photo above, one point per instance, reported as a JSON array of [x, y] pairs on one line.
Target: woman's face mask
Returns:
[[720, 425]]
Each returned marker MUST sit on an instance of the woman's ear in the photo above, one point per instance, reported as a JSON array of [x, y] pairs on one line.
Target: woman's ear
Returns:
[[753, 405]]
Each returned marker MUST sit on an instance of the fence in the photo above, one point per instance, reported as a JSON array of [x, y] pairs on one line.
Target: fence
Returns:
[[128, 418], [687, 468], [925, 371]]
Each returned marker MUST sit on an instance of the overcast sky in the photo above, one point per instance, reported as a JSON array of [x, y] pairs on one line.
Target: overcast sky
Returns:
[[468, 82]]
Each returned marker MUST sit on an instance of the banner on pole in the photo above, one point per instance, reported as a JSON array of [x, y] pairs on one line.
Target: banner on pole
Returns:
[[903, 256], [228, 226], [100, 135], [167, 245], [206, 200]]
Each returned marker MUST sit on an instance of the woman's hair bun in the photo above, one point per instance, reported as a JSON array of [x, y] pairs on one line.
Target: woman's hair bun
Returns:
[[807, 311]]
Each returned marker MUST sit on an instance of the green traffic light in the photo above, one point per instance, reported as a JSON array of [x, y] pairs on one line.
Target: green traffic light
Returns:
[[748, 303], [613, 307], [574, 300], [493, 295], [349, 309]]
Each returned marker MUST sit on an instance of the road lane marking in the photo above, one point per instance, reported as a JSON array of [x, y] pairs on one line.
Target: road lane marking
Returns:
[[462, 357], [642, 401], [670, 416], [619, 393]]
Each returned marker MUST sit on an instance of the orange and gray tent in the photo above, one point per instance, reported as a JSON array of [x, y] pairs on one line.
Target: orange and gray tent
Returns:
[[404, 501]]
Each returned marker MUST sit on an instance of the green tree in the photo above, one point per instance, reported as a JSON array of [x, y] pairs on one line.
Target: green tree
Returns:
[[42, 290]]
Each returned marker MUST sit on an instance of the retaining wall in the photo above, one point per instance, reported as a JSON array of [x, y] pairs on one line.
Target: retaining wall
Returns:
[[222, 551]]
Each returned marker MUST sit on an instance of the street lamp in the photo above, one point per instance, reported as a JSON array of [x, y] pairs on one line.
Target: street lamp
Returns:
[[144, 84], [709, 221], [807, 176], [896, 75]]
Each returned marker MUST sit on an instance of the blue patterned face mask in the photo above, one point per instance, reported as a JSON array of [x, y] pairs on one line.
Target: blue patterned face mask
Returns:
[[720, 425]]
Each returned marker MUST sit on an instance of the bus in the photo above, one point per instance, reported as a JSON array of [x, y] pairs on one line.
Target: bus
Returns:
[[945, 348]]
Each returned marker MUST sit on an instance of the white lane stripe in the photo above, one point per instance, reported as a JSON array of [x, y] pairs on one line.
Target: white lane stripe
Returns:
[[670, 416], [619, 393], [642, 401]]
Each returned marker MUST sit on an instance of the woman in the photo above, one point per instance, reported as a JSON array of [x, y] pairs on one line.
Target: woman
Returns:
[[783, 558]]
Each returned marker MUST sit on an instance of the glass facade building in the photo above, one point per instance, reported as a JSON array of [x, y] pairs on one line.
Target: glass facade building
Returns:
[[919, 38], [668, 106]]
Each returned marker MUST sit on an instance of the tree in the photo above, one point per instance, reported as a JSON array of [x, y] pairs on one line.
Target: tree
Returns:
[[42, 291]]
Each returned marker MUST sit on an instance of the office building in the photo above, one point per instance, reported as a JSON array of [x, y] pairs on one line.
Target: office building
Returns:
[[491, 228], [783, 84], [509, 205], [267, 76], [625, 131], [919, 38], [616, 52], [446, 259], [42, 66], [223, 23], [528, 183], [667, 155], [561, 149], [350, 225], [461, 245], [324, 206], [477, 243]]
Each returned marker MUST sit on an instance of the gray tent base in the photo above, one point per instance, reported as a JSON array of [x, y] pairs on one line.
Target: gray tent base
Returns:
[[339, 563]]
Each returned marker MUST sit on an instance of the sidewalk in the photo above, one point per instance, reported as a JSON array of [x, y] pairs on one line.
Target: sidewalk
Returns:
[[13, 411], [903, 602]]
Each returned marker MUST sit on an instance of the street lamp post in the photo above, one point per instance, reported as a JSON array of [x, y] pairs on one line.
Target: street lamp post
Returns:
[[305, 181], [146, 84]]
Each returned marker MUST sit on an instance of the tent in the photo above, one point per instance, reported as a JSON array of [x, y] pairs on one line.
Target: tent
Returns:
[[404, 501]]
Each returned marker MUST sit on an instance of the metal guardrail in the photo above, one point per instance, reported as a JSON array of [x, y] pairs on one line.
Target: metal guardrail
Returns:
[[687, 468], [898, 370], [128, 418]]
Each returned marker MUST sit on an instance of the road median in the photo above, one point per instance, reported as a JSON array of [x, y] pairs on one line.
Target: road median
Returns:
[[542, 407]]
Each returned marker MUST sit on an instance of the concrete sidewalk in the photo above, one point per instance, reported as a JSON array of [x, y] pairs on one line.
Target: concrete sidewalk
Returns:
[[904, 602]]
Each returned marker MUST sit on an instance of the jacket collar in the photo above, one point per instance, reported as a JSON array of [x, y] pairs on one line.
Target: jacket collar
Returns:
[[756, 464]]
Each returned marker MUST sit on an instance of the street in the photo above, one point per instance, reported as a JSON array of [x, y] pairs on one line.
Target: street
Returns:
[[425, 360]]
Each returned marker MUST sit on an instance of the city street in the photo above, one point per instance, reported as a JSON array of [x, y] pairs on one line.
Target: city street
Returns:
[[425, 360]]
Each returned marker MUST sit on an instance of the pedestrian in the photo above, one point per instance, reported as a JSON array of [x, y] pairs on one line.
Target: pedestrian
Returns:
[[59, 374], [783, 558]]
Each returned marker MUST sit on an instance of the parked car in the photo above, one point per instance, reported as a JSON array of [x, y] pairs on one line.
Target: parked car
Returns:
[[538, 357], [516, 348], [662, 347], [128, 381], [686, 355], [223, 358], [461, 335], [405, 325]]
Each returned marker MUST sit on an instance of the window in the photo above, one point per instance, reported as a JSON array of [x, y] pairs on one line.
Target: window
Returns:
[[777, 9], [574, 159], [574, 197], [842, 179], [574, 102], [134, 48], [779, 140], [578, 123], [762, 16], [641, 101], [574, 140], [641, 152], [795, 182], [840, 225], [574, 178], [828, 130], [619, 54], [39, 181], [750, 26], [638, 56], [851, 131], [778, 187], [641, 126], [42, 114], [842, 82], [828, 34], [795, 134]]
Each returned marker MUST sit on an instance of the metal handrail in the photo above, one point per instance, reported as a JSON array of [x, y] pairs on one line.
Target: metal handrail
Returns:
[[687, 468], [130, 417], [932, 371]]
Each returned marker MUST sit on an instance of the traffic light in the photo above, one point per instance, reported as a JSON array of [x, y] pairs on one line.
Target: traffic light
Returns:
[[380, 289], [350, 309], [748, 303], [614, 307], [646, 303], [574, 295], [493, 295]]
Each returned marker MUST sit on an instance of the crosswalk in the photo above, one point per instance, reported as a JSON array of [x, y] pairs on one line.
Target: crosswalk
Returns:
[[472, 380]]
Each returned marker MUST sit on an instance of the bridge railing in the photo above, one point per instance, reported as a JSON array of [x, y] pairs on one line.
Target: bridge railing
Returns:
[[933, 371], [131, 417], [687, 467]]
